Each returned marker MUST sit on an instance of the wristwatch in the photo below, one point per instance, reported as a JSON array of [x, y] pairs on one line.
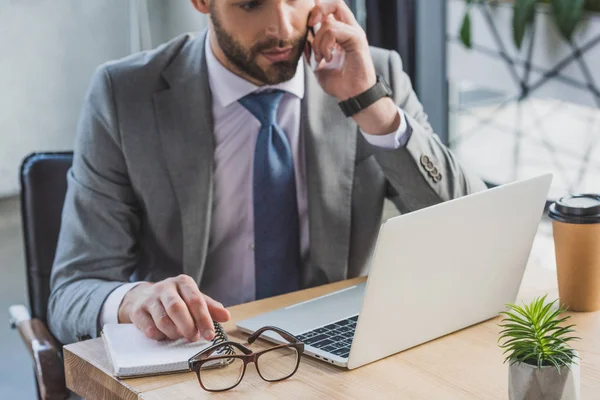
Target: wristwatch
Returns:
[[358, 103]]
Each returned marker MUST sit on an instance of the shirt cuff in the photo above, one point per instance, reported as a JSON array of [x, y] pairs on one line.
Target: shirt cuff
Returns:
[[110, 309], [393, 140]]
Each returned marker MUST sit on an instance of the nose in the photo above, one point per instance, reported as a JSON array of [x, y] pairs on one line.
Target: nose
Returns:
[[281, 27]]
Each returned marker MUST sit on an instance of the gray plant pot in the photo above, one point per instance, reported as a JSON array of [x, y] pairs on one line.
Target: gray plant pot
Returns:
[[527, 382]]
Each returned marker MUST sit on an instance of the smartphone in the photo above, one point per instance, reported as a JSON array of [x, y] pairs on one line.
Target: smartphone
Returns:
[[308, 50]]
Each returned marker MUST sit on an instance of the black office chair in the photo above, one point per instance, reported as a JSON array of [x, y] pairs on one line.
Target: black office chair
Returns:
[[43, 189]]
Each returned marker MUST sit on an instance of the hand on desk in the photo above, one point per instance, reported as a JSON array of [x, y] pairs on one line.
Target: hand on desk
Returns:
[[173, 308]]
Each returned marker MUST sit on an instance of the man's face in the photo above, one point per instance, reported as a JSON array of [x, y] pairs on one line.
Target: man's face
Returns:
[[263, 39]]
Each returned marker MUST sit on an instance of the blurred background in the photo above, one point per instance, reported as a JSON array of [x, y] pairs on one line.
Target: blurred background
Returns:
[[508, 111]]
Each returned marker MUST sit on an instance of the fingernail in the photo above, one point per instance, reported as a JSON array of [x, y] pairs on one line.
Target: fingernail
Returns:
[[209, 335]]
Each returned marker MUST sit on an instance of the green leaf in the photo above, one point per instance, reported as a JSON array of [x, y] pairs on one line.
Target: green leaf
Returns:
[[555, 363], [545, 315], [519, 310], [515, 318], [524, 13], [465, 30], [514, 340], [567, 14], [563, 331]]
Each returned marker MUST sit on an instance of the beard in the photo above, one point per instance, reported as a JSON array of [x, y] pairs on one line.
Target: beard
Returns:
[[245, 60]]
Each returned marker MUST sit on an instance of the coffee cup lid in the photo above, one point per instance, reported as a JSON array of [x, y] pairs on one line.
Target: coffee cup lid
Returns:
[[577, 209]]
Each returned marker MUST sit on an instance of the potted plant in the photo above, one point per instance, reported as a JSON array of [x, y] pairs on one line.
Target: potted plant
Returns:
[[536, 342]]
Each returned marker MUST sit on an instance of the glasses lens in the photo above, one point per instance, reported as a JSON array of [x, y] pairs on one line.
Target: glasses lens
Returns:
[[223, 370], [278, 364]]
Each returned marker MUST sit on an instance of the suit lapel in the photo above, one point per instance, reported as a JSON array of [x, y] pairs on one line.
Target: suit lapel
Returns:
[[185, 122], [330, 141]]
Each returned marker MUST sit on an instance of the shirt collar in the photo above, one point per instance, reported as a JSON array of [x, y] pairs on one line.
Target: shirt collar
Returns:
[[227, 88]]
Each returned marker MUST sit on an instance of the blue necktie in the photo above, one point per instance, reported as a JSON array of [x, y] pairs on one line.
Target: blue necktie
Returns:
[[276, 227]]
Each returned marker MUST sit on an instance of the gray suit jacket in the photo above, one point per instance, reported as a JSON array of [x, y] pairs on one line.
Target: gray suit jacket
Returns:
[[139, 198]]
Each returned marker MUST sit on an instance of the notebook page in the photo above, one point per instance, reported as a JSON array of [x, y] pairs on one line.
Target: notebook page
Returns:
[[131, 352]]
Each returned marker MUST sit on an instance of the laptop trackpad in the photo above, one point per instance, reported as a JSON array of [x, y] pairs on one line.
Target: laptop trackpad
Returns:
[[311, 314]]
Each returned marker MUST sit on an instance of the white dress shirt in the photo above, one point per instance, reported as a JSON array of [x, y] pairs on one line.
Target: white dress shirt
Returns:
[[229, 273]]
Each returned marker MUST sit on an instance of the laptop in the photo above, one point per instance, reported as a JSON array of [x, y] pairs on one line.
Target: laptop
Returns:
[[433, 272]]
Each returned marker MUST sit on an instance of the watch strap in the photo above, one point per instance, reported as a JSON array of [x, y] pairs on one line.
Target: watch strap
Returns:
[[358, 103]]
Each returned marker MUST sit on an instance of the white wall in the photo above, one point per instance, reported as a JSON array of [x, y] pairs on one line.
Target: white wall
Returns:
[[49, 49], [169, 18]]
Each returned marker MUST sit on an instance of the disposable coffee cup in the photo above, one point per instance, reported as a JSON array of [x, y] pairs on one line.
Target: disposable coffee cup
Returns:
[[576, 227]]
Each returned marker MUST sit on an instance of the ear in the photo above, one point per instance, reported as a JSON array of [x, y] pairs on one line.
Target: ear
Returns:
[[202, 6]]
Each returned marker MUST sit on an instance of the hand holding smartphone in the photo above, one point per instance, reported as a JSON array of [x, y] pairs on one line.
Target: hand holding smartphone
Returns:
[[337, 50], [338, 55]]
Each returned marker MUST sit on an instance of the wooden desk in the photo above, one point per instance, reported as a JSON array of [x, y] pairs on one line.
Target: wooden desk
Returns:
[[464, 365]]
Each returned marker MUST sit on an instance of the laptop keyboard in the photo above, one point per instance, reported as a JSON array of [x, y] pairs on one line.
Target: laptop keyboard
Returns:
[[335, 338]]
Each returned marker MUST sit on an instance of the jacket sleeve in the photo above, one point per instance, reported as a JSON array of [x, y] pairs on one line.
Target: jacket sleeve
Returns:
[[96, 249], [424, 172]]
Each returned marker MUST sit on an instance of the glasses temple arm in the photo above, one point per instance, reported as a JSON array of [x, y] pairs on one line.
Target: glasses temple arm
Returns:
[[284, 334]]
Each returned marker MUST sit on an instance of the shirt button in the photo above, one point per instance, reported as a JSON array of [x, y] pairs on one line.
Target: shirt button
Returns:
[[251, 247]]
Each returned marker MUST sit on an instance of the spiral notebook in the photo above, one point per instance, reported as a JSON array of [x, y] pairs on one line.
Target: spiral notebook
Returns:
[[132, 354]]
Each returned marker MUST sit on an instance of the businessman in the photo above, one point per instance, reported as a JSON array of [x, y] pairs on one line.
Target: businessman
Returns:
[[226, 167]]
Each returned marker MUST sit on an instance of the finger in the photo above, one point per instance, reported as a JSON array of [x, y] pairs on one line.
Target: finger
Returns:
[[198, 309], [338, 8], [162, 320], [216, 310], [332, 33], [327, 43], [178, 312], [144, 322]]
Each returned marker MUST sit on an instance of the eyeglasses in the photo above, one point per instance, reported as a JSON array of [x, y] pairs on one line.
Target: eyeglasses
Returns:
[[222, 366]]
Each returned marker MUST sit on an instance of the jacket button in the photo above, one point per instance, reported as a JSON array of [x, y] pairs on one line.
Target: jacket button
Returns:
[[425, 160]]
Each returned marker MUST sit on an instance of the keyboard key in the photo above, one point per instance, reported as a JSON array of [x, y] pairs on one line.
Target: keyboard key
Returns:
[[320, 330], [322, 344], [340, 352], [330, 326], [320, 341], [343, 322], [355, 318], [315, 339], [348, 335], [305, 337], [329, 348], [338, 338]]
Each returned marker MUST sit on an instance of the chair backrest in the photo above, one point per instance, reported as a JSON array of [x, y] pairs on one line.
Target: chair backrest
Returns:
[[43, 189]]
